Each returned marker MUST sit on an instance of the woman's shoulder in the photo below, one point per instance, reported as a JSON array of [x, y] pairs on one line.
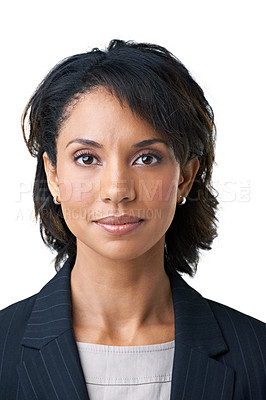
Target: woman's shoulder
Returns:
[[13, 322], [245, 337], [227, 317], [234, 320], [16, 315]]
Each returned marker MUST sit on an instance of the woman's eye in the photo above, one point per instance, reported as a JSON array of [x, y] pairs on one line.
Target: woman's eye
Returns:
[[143, 159], [148, 159], [86, 159]]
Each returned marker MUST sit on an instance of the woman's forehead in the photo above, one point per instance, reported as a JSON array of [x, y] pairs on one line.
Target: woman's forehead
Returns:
[[100, 115]]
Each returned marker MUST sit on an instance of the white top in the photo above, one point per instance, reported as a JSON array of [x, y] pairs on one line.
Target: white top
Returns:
[[127, 372]]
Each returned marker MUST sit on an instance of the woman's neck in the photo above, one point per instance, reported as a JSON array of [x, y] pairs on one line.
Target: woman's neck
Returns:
[[121, 302]]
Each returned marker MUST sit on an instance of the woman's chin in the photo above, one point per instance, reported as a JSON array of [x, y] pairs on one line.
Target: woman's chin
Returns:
[[114, 251]]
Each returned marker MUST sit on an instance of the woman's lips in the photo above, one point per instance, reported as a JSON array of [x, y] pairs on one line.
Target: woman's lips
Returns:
[[119, 225]]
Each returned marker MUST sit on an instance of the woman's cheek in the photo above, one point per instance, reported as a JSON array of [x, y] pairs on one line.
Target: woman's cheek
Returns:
[[76, 192], [170, 189], [162, 190]]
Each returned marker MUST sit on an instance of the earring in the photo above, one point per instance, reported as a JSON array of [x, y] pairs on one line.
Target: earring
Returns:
[[55, 201], [183, 201]]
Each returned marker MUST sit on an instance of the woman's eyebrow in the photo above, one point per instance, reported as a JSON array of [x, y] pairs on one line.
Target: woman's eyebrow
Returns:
[[92, 143], [86, 142], [148, 142]]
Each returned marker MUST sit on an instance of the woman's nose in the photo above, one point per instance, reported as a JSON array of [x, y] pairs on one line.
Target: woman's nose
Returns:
[[116, 185]]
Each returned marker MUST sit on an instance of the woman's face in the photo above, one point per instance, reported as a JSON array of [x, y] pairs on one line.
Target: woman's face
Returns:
[[112, 163]]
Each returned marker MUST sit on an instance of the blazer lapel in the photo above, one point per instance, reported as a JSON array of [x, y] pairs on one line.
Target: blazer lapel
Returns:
[[50, 367], [198, 338]]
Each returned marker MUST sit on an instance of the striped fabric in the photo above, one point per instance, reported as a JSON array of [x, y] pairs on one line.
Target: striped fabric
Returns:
[[220, 353]]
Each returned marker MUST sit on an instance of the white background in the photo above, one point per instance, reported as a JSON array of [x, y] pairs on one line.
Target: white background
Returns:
[[222, 43]]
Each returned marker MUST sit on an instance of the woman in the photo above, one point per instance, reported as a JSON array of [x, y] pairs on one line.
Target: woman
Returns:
[[124, 140]]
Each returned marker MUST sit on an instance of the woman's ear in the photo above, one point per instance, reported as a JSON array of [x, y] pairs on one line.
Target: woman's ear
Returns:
[[187, 177], [51, 175]]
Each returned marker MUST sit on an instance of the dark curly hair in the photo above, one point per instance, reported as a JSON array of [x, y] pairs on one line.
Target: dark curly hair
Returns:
[[158, 88]]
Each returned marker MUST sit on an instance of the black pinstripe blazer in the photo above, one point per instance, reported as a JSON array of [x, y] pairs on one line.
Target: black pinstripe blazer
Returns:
[[220, 353]]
